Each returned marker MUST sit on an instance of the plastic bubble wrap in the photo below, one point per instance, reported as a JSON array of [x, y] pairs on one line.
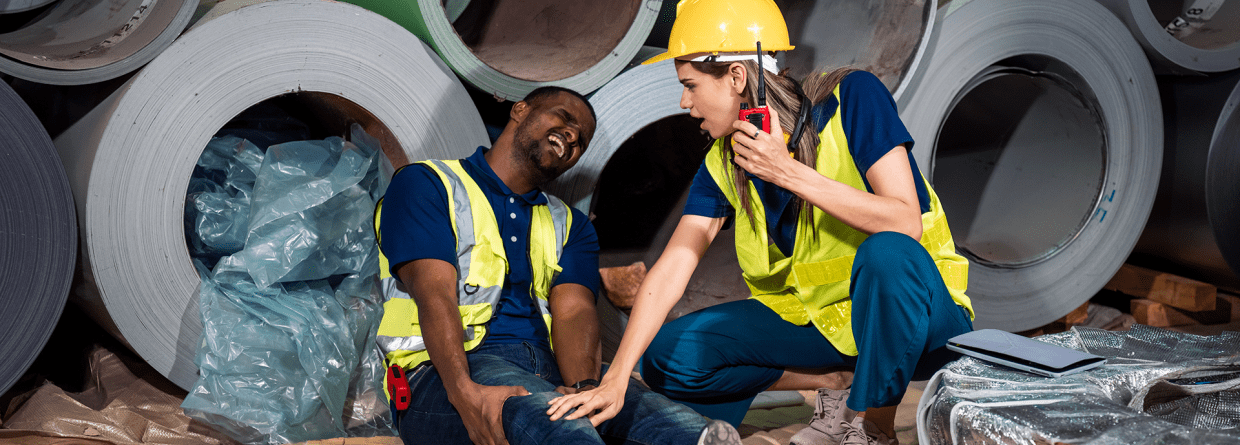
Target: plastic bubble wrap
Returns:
[[290, 303], [1157, 387]]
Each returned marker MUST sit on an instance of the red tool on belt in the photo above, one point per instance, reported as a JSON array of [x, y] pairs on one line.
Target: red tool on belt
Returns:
[[398, 387]]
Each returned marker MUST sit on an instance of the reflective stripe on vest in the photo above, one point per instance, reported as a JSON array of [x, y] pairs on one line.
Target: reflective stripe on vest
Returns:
[[813, 284], [481, 264]]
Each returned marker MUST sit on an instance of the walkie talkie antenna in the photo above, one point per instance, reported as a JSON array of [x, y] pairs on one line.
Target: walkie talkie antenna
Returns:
[[761, 82]]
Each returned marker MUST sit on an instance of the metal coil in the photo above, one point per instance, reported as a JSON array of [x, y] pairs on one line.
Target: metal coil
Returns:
[[1038, 124], [130, 158], [39, 235]]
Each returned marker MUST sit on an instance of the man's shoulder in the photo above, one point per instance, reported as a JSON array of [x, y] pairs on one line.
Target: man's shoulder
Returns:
[[415, 186], [414, 175]]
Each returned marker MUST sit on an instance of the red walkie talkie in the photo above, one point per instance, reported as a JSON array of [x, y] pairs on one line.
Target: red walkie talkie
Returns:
[[759, 116]]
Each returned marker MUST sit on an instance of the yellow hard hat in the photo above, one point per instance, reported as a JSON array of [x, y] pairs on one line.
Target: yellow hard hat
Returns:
[[724, 26]]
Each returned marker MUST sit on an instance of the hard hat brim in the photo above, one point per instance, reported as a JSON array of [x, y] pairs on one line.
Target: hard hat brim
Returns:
[[669, 55], [659, 58]]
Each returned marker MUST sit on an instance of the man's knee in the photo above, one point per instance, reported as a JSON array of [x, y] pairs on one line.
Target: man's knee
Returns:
[[527, 415], [534, 406], [527, 402]]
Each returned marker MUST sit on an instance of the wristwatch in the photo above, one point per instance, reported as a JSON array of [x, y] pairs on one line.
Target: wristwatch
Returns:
[[585, 383]]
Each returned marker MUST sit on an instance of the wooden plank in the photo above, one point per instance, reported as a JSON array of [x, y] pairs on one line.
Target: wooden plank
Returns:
[[1131, 280], [1152, 313], [1184, 293], [1232, 304], [1169, 289], [1077, 316], [621, 283]]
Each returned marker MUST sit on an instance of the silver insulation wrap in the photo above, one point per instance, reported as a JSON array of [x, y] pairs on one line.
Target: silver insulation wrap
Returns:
[[1157, 387]]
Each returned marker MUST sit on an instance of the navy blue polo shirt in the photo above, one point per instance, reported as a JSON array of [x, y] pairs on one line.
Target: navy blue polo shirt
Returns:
[[416, 225], [873, 127]]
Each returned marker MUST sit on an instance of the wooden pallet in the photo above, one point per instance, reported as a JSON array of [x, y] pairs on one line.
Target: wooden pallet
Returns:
[[1166, 300]]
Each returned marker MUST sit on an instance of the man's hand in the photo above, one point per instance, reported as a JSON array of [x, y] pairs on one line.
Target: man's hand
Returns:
[[482, 411]]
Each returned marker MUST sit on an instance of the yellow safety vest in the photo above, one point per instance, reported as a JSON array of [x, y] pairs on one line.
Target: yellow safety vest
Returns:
[[812, 285], [481, 266]]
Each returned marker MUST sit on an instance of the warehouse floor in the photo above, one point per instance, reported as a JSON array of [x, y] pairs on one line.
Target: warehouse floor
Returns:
[[60, 400], [60, 375], [151, 400]]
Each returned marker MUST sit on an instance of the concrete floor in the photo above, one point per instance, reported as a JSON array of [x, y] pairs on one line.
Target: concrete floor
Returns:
[[775, 426], [762, 426]]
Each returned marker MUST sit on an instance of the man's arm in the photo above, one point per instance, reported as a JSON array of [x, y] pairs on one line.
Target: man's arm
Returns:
[[574, 332], [432, 283]]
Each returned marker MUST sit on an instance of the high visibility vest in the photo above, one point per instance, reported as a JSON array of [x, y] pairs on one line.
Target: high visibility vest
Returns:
[[481, 266], [812, 285]]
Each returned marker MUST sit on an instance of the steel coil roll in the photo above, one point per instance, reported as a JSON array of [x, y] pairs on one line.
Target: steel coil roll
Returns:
[[886, 38], [1038, 123], [15, 6], [76, 42], [39, 235], [510, 47], [1210, 45], [1196, 216], [130, 158]]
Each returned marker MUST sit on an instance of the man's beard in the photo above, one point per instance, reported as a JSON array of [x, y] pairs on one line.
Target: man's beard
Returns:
[[529, 155]]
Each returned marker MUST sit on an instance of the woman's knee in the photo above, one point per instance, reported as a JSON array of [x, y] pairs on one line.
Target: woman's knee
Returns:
[[888, 255], [657, 359], [676, 361], [886, 245]]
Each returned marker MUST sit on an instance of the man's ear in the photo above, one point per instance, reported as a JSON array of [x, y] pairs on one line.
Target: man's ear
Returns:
[[519, 111], [736, 71]]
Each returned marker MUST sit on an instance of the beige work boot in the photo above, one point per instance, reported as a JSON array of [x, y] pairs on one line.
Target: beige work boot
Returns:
[[718, 432], [831, 416], [863, 432]]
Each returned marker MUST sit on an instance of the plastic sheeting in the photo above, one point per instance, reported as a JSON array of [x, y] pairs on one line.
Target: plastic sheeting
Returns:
[[121, 404], [290, 309], [1157, 387]]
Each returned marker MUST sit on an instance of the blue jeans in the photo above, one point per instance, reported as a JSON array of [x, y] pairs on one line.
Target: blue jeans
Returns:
[[647, 417], [718, 359]]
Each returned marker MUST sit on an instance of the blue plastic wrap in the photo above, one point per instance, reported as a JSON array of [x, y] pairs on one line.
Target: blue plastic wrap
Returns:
[[290, 309], [218, 202]]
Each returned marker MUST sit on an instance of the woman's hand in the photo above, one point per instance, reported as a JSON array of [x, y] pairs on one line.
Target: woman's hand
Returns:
[[600, 404], [763, 154]]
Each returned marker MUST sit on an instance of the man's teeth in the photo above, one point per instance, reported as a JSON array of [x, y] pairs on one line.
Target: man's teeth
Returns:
[[558, 143]]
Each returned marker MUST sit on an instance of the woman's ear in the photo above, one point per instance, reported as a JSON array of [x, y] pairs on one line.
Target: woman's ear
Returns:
[[736, 71]]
